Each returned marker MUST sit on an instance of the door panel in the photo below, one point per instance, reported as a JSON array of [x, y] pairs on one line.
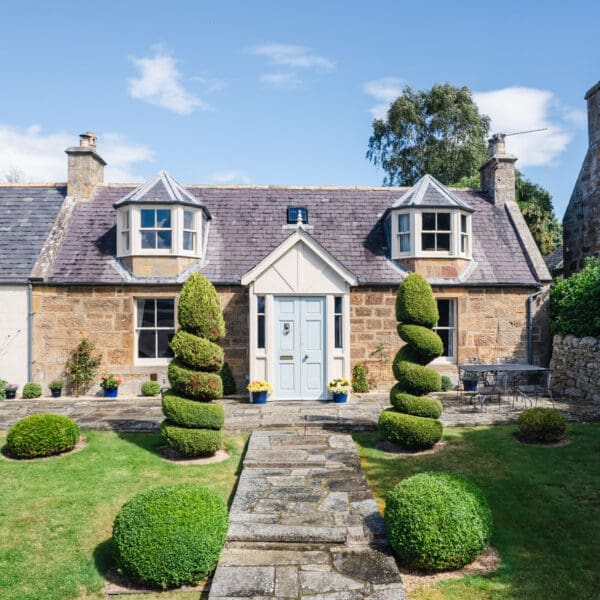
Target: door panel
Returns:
[[300, 349]]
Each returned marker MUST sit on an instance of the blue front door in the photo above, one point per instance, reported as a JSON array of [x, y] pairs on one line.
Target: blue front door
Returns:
[[300, 348]]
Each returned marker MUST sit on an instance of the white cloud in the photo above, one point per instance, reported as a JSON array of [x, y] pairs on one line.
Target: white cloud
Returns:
[[159, 83], [576, 117], [517, 109], [41, 156], [281, 80], [292, 56], [385, 90], [232, 176]]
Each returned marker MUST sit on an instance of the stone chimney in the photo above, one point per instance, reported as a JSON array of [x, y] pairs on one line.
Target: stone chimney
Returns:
[[497, 175], [86, 168], [593, 105]]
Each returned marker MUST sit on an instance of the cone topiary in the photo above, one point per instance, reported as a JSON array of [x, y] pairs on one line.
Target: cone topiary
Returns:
[[193, 427], [412, 422]]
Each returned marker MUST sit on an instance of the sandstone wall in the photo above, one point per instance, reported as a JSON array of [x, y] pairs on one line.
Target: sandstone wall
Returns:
[[491, 324], [575, 367], [106, 314]]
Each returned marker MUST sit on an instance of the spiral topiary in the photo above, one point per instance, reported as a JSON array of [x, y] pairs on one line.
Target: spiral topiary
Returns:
[[416, 313], [191, 427]]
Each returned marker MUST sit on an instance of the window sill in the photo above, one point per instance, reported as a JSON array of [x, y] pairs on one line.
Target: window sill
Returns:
[[152, 362]]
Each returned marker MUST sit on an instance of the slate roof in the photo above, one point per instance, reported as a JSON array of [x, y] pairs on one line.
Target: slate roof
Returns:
[[554, 260], [250, 221], [26, 216], [430, 193]]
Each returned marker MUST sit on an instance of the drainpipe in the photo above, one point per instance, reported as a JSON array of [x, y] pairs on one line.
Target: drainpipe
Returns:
[[29, 332], [530, 326]]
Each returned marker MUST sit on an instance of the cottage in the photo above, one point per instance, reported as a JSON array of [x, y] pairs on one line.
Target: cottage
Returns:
[[306, 275], [581, 223]]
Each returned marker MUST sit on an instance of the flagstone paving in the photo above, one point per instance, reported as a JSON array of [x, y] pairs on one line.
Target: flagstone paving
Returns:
[[304, 525], [360, 413]]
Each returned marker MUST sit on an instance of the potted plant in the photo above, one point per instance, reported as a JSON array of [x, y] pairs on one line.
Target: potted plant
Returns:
[[339, 388], [259, 390], [56, 387], [469, 381], [10, 389], [110, 383]]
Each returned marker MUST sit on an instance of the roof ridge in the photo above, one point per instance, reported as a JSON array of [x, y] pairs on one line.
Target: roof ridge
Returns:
[[38, 184]]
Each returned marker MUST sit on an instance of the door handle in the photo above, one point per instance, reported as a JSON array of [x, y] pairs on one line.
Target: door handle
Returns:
[[305, 357]]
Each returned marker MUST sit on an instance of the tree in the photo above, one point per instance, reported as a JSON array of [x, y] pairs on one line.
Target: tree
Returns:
[[82, 366], [438, 131], [535, 203], [14, 175]]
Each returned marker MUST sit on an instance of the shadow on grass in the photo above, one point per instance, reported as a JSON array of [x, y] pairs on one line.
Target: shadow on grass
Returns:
[[545, 503]]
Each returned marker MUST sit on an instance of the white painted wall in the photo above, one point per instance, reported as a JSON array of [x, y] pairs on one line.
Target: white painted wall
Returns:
[[13, 334]]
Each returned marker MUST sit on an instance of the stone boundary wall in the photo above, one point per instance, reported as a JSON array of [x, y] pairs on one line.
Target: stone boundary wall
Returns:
[[575, 367]]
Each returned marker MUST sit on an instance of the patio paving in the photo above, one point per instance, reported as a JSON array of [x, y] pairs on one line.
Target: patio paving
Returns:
[[361, 412]]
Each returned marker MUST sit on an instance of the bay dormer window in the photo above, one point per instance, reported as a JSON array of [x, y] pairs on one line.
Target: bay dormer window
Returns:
[[430, 233], [162, 219], [159, 231]]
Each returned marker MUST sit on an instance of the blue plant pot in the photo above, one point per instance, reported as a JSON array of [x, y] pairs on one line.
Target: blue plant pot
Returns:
[[112, 393], [470, 385], [340, 398], [258, 397]]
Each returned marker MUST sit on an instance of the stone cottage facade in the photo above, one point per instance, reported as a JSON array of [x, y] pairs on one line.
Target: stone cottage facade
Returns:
[[307, 276], [581, 223]]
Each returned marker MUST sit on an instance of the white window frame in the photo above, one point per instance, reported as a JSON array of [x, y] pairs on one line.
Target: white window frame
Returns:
[[452, 328], [436, 232], [177, 223], [156, 361], [416, 231]]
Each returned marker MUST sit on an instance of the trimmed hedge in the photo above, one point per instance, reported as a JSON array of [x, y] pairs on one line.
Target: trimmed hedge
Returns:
[[446, 383], [544, 425], [416, 379], [419, 406], [409, 431], [197, 352], [170, 536], [150, 388], [199, 309], [189, 413], [437, 521], [229, 386], [32, 390], [426, 343], [191, 442], [415, 303], [42, 435], [194, 384]]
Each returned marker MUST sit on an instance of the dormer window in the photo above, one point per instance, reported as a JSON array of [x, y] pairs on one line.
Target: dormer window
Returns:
[[161, 218], [429, 221], [430, 233]]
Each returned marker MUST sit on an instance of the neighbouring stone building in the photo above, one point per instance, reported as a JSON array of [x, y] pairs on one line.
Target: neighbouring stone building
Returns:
[[581, 223], [307, 275]]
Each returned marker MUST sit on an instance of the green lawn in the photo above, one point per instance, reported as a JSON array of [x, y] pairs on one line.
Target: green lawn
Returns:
[[56, 514], [545, 502]]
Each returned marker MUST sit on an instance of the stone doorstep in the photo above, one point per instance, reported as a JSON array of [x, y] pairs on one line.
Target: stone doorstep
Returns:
[[292, 534]]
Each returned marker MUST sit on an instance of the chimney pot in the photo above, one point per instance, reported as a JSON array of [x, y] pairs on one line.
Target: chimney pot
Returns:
[[496, 144], [87, 140]]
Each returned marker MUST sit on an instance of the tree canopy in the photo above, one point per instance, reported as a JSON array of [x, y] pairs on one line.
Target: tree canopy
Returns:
[[438, 131]]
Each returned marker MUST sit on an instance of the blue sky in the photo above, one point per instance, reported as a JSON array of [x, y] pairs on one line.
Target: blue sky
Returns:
[[283, 92]]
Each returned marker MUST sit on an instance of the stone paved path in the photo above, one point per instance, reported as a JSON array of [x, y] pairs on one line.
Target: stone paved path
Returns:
[[304, 525], [361, 412]]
